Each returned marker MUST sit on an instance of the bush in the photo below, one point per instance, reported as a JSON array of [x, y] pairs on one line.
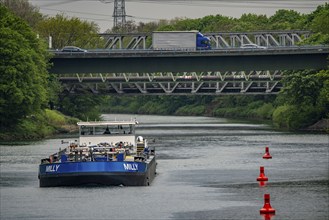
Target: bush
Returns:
[[191, 110], [40, 125], [265, 111], [294, 117], [54, 117], [152, 108]]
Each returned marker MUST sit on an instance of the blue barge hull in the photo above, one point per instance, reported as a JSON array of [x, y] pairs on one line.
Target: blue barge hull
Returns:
[[97, 173]]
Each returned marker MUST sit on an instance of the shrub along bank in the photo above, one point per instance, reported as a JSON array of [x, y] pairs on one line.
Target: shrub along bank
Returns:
[[40, 125]]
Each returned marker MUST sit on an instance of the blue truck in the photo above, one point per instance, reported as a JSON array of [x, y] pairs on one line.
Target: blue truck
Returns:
[[180, 40]]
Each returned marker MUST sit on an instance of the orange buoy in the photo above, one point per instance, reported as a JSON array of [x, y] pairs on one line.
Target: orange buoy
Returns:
[[267, 154], [262, 176], [267, 206]]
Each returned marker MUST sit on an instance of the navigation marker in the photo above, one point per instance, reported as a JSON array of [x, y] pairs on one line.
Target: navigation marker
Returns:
[[262, 176], [267, 206], [267, 154]]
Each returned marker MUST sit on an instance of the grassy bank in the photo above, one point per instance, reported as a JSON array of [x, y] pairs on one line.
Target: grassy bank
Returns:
[[40, 125]]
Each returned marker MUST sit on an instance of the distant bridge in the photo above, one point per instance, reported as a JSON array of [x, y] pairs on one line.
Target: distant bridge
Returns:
[[209, 72]]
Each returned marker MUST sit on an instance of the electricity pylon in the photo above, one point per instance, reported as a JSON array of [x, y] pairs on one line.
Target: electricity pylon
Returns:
[[119, 13]]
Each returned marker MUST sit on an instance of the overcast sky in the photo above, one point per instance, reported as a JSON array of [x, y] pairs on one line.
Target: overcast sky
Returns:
[[154, 10]]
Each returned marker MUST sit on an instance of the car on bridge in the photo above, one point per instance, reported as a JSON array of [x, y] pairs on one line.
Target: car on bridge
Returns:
[[73, 49], [252, 46]]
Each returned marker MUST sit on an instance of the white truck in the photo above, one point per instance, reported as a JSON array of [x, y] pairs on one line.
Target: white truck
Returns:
[[179, 40]]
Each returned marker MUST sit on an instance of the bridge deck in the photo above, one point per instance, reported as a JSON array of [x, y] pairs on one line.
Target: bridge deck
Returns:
[[190, 61]]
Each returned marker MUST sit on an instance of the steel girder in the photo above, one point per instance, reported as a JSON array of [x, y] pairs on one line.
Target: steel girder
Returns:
[[185, 83], [218, 39], [269, 38]]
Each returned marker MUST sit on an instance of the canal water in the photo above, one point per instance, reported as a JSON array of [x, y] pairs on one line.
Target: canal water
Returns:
[[207, 169]]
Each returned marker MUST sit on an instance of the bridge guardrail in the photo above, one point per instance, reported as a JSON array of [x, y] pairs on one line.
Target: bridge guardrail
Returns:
[[146, 52]]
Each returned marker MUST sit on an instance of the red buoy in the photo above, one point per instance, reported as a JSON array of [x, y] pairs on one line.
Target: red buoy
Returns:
[[262, 183], [267, 154], [267, 206], [262, 176], [267, 216]]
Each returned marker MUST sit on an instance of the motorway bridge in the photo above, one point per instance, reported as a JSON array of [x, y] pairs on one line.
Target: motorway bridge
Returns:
[[205, 72]]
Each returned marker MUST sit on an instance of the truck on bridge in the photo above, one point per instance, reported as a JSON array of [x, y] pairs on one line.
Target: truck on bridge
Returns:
[[180, 40]]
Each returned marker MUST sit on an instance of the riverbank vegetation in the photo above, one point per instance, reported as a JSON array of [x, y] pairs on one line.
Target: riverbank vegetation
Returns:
[[26, 88], [304, 99], [32, 100], [40, 125]]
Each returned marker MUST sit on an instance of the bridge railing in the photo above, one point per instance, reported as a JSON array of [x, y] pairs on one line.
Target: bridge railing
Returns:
[[236, 50], [218, 39]]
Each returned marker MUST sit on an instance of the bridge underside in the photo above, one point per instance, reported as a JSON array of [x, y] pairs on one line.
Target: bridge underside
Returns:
[[186, 83], [193, 63]]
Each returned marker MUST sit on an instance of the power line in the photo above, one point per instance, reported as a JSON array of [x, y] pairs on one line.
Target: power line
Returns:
[[280, 3], [121, 15], [77, 12], [239, 3], [82, 17]]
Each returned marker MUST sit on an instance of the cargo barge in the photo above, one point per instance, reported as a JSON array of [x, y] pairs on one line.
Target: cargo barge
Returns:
[[107, 153]]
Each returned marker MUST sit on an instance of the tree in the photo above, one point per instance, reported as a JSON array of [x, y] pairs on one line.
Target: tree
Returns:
[[24, 10], [318, 22], [84, 107], [23, 69], [217, 23], [321, 22], [301, 87], [323, 99], [147, 27], [253, 22], [286, 20], [303, 100], [129, 27], [70, 31]]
